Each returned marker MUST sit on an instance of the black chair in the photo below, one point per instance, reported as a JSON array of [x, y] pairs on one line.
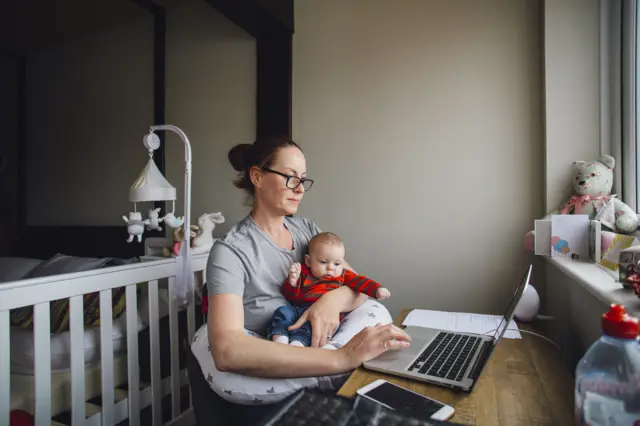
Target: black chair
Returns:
[[212, 410]]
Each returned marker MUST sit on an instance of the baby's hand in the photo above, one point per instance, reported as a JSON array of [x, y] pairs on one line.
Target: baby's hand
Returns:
[[382, 293], [294, 274]]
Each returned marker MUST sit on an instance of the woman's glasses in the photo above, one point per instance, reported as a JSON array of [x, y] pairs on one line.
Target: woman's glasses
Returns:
[[292, 181]]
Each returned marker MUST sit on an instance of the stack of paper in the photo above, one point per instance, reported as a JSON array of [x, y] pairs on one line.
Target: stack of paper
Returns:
[[460, 322]]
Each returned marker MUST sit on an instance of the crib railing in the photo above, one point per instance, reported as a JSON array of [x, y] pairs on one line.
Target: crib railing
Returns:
[[115, 405]]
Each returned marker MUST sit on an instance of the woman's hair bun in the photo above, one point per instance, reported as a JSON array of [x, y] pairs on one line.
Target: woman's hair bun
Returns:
[[238, 156]]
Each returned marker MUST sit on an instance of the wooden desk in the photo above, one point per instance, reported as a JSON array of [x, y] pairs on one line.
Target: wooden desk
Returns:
[[525, 382]]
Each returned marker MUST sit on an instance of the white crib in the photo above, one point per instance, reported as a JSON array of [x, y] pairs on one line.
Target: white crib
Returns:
[[114, 378]]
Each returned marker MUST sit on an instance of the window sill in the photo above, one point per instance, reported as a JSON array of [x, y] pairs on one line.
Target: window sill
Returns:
[[599, 283]]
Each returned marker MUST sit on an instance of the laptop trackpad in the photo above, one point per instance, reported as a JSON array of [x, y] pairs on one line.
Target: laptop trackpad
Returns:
[[401, 356]]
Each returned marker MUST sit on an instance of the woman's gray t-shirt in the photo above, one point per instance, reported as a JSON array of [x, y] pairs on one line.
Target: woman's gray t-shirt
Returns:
[[248, 263]]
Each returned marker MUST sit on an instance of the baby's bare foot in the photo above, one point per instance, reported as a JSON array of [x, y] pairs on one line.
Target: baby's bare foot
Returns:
[[294, 274], [382, 293]]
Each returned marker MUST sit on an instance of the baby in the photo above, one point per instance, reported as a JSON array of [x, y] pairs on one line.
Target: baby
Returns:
[[323, 271]]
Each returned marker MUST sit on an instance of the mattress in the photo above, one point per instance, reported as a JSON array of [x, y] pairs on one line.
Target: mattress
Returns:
[[22, 343], [23, 387]]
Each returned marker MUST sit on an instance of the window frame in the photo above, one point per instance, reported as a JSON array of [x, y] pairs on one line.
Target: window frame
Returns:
[[634, 113], [620, 80], [630, 154]]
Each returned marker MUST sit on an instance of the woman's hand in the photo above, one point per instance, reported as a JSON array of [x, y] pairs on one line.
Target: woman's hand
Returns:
[[371, 342], [324, 316]]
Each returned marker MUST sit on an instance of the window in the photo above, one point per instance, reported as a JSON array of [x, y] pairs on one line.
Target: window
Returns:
[[624, 100], [635, 83]]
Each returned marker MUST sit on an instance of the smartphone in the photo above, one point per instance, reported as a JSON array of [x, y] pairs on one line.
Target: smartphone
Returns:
[[405, 401]]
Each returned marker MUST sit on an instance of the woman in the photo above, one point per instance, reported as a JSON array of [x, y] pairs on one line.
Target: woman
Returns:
[[244, 274]]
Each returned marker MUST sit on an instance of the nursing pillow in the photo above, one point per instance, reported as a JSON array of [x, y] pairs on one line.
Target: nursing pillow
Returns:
[[249, 390]]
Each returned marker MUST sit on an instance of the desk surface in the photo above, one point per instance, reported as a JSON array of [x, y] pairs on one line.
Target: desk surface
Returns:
[[525, 382]]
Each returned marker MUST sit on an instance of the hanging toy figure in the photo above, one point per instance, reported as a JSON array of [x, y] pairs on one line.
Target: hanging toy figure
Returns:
[[135, 225], [153, 221], [172, 221]]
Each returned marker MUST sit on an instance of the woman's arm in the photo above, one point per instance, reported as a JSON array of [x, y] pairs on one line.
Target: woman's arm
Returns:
[[345, 299], [236, 352], [324, 314]]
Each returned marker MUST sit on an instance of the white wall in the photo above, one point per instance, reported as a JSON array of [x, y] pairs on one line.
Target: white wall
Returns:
[[577, 313], [422, 124], [91, 101]]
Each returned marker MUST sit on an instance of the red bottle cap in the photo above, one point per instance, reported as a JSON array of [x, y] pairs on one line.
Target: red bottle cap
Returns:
[[617, 323]]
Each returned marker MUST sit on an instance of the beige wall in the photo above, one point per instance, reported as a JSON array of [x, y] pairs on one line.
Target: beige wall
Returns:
[[211, 95], [573, 131], [91, 101], [432, 117], [572, 91], [422, 124]]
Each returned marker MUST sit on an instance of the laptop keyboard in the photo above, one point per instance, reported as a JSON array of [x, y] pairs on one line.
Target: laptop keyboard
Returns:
[[447, 356]]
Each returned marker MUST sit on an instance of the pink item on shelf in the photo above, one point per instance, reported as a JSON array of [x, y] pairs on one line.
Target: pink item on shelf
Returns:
[[528, 242]]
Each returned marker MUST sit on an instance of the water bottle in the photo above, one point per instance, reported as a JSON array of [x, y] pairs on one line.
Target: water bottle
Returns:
[[607, 388]]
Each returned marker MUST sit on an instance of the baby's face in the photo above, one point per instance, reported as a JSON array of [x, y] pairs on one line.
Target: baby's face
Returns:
[[326, 260]]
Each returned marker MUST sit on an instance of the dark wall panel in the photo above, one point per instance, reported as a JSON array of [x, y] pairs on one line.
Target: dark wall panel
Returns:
[[271, 23], [274, 74]]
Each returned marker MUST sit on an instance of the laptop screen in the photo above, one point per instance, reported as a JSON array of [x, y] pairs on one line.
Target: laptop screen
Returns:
[[506, 319]]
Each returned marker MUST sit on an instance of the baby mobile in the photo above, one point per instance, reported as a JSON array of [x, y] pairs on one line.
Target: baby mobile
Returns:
[[151, 186]]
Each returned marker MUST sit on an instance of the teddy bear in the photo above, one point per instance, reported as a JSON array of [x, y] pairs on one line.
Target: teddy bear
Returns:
[[592, 182], [201, 239], [135, 225], [178, 238]]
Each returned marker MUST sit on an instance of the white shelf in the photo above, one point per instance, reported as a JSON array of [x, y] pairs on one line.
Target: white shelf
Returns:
[[599, 283]]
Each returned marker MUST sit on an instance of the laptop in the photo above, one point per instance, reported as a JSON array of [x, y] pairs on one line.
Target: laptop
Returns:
[[445, 358]]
